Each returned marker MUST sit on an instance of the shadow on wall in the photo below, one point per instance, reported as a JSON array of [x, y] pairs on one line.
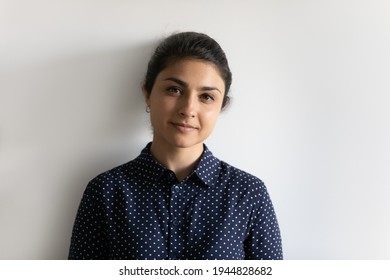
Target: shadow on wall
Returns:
[[67, 121]]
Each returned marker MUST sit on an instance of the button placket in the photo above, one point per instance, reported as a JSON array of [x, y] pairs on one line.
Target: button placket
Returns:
[[176, 216], [175, 198]]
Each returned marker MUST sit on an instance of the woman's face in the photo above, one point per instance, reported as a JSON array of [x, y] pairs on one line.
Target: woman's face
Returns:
[[185, 103]]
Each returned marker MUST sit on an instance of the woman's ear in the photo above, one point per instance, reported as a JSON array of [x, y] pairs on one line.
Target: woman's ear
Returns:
[[146, 95]]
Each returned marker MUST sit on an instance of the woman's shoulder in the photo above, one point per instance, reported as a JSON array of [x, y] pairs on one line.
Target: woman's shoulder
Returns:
[[124, 172], [240, 176], [242, 186], [111, 175], [141, 168]]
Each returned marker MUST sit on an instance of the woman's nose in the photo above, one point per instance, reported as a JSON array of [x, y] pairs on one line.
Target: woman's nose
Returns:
[[188, 107]]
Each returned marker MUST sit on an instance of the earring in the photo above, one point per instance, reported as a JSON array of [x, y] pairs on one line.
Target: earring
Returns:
[[147, 109]]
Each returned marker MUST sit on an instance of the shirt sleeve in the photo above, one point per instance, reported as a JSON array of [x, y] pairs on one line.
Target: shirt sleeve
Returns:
[[264, 239], [89, 237]]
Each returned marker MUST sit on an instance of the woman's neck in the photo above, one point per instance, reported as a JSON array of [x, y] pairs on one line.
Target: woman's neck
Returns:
[[182, 161]]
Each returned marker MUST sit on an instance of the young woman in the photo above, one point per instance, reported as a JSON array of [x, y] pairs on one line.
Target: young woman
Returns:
[[176, 200]]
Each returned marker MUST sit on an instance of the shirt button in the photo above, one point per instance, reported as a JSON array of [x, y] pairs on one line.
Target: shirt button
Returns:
[[176, 189], [175, 222]]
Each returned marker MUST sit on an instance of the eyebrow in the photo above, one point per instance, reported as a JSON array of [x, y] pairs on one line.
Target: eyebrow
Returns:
[[184, 84]]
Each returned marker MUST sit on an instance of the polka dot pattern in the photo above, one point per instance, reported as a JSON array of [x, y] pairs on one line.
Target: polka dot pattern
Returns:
[[140, 210]]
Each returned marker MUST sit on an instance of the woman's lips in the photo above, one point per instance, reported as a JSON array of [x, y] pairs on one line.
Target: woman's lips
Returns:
[[182, 127]]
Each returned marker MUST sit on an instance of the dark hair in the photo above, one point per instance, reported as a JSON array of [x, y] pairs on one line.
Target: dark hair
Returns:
[[188, 45]]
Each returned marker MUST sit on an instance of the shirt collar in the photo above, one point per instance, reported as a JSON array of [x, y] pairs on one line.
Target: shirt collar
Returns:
[[207, 170]]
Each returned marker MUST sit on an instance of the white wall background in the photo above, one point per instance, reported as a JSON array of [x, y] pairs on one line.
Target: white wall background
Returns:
[[310, 113]]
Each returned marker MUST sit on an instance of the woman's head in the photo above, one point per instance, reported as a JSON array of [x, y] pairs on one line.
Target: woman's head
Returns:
[[188, 45]]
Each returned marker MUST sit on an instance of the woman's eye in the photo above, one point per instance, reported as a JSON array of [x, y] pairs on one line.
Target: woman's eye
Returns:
[[174, 90], [207, 97]]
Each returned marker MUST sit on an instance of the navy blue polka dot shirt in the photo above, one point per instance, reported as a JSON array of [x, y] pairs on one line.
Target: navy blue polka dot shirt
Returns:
[[140, 210]]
